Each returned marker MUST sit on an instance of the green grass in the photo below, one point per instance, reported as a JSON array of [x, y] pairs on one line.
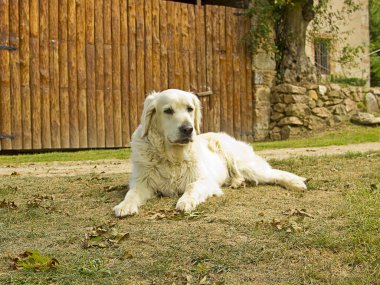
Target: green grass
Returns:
[[98, 154], [349, 134]]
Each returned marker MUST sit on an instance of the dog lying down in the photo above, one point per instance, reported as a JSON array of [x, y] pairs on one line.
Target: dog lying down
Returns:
[[170, 157]]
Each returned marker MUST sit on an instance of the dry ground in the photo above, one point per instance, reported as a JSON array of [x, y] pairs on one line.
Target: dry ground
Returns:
[[254, 235]]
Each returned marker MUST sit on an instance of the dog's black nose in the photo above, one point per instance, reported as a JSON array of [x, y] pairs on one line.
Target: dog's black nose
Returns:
[[186, 129]]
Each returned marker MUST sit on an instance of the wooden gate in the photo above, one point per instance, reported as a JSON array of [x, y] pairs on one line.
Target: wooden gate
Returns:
[[81, 68]]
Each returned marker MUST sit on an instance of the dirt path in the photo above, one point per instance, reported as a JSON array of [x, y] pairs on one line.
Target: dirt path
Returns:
[[71, 168]]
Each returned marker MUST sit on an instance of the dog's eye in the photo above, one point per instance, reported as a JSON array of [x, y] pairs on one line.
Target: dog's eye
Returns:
[[169, 111], [190, 109]]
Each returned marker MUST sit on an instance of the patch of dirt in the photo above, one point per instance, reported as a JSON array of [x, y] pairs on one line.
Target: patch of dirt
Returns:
[[113, 166]]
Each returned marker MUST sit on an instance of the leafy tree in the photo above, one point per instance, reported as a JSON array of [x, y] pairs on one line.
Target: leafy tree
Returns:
[[291, 22], [374, 25]]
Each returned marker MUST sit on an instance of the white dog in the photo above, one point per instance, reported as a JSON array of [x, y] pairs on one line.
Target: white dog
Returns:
[[170, 157]]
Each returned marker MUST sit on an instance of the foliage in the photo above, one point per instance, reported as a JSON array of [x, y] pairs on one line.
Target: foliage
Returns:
[[374, 22], [269, 20], [353, 81], [33, 260]]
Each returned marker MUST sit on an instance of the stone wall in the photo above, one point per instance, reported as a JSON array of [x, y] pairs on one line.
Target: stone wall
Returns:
[[296, 110]]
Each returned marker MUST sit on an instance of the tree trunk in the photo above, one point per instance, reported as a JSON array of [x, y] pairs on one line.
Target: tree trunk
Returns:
[[294, 66]]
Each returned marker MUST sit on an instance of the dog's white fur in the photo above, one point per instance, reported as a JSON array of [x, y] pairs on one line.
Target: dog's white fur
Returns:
[[164, 163]]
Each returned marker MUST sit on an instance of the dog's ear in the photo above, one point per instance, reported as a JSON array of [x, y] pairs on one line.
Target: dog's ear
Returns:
[[148, 112], [197, 114]]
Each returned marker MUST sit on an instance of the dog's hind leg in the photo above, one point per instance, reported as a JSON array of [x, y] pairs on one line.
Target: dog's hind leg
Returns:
[[260, 172]]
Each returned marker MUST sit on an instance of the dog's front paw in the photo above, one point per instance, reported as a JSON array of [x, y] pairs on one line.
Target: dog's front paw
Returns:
[[126, 208], [186, 204], [298, 184]]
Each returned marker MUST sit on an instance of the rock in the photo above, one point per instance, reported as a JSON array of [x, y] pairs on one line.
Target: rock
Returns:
[[277, 97], [335, 87], [277, 116], [321, 112], [264, 77], [263, 60], [371, 103], [313, 95], [290, 121], [288, 88], [339, 110], [275, 136], [365, 119], [335, 94], [316, 123], [376, 91], [350, 105], [338, 119], [262, 94], [298, 110], [296, 98], [322, 89], [312, 104], [320, 103], [279, 107]]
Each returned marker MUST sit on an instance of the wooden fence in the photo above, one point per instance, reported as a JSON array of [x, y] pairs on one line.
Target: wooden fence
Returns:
[[82, 68]]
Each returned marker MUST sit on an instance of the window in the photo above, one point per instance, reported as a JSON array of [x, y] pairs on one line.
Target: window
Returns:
[[322, 55]]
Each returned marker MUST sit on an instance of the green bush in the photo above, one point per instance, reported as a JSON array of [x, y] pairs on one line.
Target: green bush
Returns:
[[353, 81]]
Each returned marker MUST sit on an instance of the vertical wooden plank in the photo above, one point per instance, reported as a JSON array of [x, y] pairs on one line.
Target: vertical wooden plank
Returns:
[[156, 70], [223, 69], [201, 63], [178, 74], [148, 68], [173, 44], [90, 74], [24, 76], [108, 98], [193, 48], [73, 73], [44, 73], [243, 83], [35, 74], [99, 74], [116, 76], [248, 67], [81, 65], [15, 94], [216, 68], [54, 74], [209, 68], [236, 76], [230, 79], [133, 111], [140, 55], [184, 49], [164, 42], [5, 92], [64, 98], [125, 95]]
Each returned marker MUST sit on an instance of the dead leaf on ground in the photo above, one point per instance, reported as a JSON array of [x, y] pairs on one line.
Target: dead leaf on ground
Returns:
[[38, 201], [33, 260], [296, 212], [173, 214], [286, 225], [8, 204], [15, 173], [116, 188], [103, 236]]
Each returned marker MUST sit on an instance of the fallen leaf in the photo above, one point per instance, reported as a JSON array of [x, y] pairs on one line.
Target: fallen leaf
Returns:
[[103, 236], [33, 260], [38, 201], [116, 188], [173, 214], [296, 212], [8, 204], [15, 173]]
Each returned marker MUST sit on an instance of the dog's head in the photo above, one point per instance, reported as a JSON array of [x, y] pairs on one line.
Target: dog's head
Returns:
[[176, 115]]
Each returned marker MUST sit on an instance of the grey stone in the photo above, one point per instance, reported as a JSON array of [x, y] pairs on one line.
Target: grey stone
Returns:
[[279, 107], [277, 116], [336, 87], [376, 91], [365, 119], [277, 97], [322, 89], [290, 121], [264, 77], [263, 60], [289, 131], [371, 103], [321, 112], [263, 94], [296, 98], [339, 110], [335, 94], [320, 103], [289, 88], [350, 105], [298, 110], [312, 104]]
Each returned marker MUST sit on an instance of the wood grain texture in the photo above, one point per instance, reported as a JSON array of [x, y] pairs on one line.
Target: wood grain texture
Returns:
[[185, 48], [156, 70], [148, 47], [230, 79], [223, 70], [140, 56], [164, 42]]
